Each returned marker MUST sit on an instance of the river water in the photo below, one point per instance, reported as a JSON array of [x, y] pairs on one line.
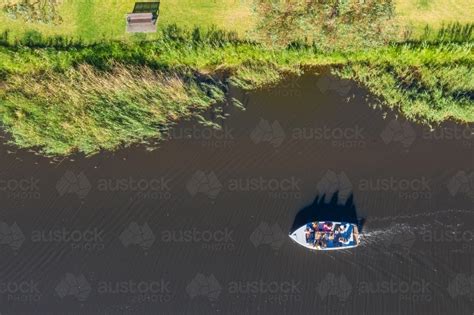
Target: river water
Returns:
[[200, 224]]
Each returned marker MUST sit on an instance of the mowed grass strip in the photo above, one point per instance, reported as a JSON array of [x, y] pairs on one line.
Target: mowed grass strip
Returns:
[[93, 20], [434, 13]]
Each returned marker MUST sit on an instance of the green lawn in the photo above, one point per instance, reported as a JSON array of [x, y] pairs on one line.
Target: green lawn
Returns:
[[420, 13], [96, 19]]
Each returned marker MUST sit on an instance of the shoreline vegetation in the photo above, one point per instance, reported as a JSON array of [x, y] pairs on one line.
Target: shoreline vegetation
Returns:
[[60, 95]]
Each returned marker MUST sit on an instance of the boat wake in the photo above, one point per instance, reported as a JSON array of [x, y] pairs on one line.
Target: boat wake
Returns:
[[403, 232]]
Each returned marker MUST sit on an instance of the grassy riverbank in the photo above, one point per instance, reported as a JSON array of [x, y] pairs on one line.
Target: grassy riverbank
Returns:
[[74, 81], [61, 97]]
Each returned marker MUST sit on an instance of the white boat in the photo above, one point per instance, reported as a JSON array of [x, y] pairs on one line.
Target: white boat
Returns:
[[327, 235]]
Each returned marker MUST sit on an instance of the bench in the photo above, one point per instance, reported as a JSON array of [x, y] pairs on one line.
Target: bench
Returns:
[[143, 18], [141, 23]]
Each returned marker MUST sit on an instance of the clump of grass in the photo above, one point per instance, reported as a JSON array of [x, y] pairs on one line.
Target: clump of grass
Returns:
[[423, 4], [456, 32], [40, 11], [446, 33], [338, 24], [426, 84], [87, 110], [252, 75]]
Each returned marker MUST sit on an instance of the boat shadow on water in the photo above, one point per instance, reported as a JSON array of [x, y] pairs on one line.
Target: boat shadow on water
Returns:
[[332, 210]]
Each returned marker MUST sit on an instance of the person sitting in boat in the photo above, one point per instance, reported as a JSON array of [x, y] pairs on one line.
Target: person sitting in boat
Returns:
[[346, 231], [342, 228], [330, 235], [344, 241], [309, 235], [330, 239], [315, 226], [320, 244], [327, 227]]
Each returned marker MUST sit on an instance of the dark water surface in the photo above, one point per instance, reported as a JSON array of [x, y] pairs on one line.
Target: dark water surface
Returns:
[[200, 224]]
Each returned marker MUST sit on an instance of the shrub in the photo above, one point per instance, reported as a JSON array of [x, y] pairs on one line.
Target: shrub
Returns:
[[328, 24]]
